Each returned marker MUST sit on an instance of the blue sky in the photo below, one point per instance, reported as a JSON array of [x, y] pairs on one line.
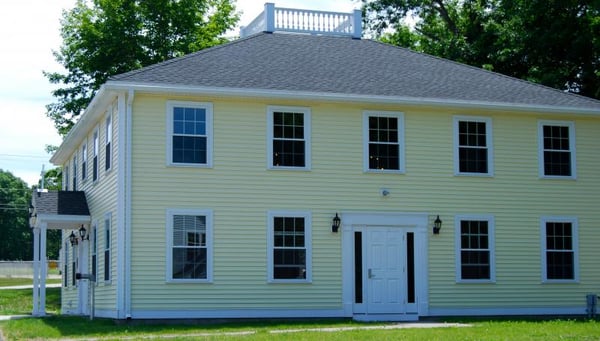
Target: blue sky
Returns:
[[29, 31]]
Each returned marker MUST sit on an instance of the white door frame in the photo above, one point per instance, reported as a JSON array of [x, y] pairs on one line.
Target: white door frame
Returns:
[[411, 222]]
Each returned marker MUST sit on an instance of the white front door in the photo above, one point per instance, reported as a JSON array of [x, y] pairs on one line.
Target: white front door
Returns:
[[83, 285], [386, 270]]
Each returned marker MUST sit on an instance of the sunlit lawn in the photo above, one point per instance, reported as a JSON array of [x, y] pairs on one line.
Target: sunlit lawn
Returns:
[[80, 327]]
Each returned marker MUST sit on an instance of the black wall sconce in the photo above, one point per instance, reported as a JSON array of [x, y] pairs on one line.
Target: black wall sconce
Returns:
[[82, 234], [437, 225], [73, 239], [336, 223]]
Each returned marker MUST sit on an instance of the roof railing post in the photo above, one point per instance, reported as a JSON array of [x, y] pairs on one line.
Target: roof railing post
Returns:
[[357, 24], [269, 17]]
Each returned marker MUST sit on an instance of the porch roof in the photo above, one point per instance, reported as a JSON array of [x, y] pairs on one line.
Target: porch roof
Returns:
[[59, 209]]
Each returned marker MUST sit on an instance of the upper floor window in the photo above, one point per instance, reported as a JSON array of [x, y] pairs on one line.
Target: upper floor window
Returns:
[[189, 240], [556, 149], [95, 156], [107, 146], [383, 141], [289, 247], [473, 154], [84, 158], [559, 245], [475, 248], [66, 178], [289, 137], [189, 133], [74, 171]]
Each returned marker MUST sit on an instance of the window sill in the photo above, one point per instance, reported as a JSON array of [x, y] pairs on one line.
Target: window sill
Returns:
[[189, 281], [557, 177], [289, 281], [476, 281], [189, 165], [477, 175], [384, 171], [294, 169], [560, 281]]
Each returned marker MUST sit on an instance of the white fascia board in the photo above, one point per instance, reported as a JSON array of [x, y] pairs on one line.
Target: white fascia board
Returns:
[[339, 97], [59, 221], [87, 121]]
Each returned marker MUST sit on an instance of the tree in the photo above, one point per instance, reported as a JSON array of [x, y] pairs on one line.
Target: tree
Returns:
[[102, 38], [551, 42], [15, 234]]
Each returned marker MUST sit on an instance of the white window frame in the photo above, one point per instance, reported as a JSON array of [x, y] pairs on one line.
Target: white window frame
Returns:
[[84, 163], [307, 136], [307, 244], [96, 155], [208, 214], [74, 171], [108, 145], [93, 236], [107, 248], [488, 141], [401, 152], [571, 126], [575, 241], [209, 133], [491, 246]]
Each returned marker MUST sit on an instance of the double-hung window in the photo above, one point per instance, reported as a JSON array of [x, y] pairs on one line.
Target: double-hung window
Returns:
[[84, 159], [383, 141], [475, 249], [559, 249], [289, 247], [95, 249], [189, 240], [189, 134], [95, 156], [288, 135], [556, 149], [108, 143], [107, 243], [74, 171], [473, 153]]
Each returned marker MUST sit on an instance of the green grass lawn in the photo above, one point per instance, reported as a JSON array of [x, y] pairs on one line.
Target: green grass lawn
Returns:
[[79, 327], [11, 281], [20, 301]]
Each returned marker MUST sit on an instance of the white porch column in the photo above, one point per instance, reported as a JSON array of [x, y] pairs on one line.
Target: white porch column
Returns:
[[36, 271], [43, 269]]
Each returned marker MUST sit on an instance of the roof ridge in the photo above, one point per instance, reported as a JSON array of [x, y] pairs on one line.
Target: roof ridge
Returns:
[[480, 69], [182, 58]]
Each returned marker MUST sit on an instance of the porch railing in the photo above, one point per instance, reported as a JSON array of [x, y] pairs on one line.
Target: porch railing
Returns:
[[274, 19]]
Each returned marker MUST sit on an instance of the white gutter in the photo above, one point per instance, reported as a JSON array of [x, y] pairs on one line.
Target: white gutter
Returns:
[[338, 97], [128, 226]]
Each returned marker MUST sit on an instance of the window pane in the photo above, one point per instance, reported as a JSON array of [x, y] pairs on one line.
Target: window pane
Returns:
[[189, 230], [560, 265], [289, 252], [384, 156], [189, 263], [557, 163], [289, 264], [187, 149], [288, 153]]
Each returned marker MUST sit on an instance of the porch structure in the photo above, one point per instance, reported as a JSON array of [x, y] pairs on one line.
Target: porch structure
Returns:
[[62, 210]]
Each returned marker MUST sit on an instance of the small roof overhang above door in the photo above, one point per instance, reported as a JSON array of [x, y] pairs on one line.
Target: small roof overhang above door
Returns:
[[59, 209]]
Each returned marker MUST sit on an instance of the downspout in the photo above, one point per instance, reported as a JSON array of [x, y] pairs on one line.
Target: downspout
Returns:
[[128, 178], [125, 101]]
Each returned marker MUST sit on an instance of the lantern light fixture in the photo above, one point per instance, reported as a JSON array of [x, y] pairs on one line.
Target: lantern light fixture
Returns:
[[336, 223], [437, 225]]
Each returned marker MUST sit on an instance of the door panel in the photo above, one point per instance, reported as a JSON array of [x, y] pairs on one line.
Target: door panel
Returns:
[[385, 270]]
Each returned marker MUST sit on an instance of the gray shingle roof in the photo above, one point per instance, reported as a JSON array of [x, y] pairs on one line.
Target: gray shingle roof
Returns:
[[334, 65], [60, 203]]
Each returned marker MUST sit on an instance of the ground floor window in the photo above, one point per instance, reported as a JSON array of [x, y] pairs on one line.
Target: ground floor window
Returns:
[[474, 248], [189, 234], [289, 247], [559, 245]]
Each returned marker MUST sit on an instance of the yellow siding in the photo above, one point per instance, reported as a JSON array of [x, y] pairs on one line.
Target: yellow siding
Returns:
[[101, 197], [240, 190]]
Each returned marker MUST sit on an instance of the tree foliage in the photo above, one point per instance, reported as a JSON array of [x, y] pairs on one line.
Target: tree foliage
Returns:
[[551, 42], [102, 38], [15, 234]]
